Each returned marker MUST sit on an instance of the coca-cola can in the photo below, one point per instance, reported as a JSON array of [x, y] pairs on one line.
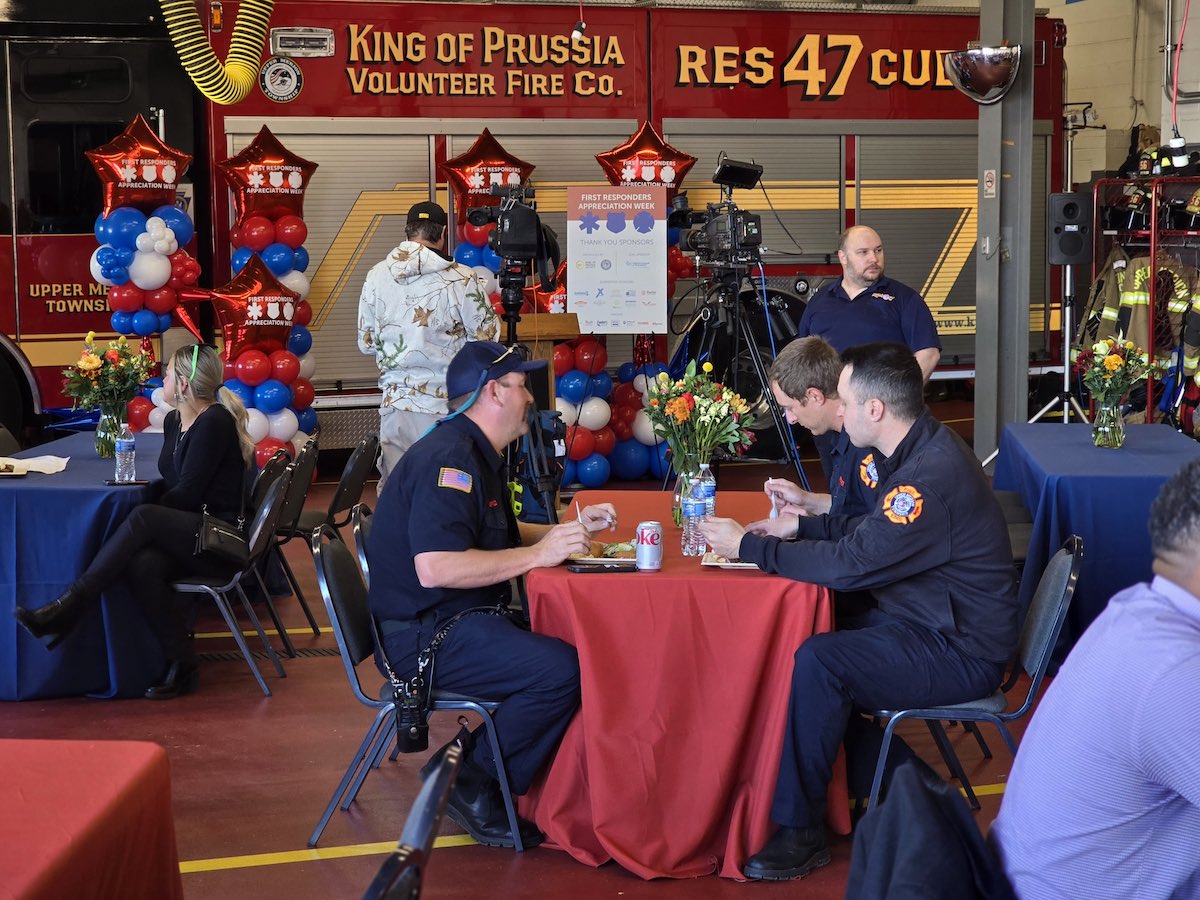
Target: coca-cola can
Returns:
[[648, 539]]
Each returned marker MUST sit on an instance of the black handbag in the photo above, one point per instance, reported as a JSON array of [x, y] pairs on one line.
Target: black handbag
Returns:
[[217, 538]]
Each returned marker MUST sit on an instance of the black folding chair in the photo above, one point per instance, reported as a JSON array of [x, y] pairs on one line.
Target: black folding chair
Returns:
[[1043, 622], [289, 518], [345, 594], [401, 875], [266, 476], [350, 487], [262, 527]]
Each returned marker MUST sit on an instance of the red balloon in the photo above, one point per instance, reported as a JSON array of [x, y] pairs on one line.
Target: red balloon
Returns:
[[626, 413], [622, 429], [477, 234], [267, 180], [230, 369], [138, 412], [266, 448], [604, 440], [161, 301], [285, 366], [580, 442], [626, 395], [126, 297], [646, 159], [235, 236], [137, 169], [302, 394], [472, 174], [253, 367], [302, 314], [497, 306], [564, 359], [254, 310], [258, 233], [591, 357], [290, 230]]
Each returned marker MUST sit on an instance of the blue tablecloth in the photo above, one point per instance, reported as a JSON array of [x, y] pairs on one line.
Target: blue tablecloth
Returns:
[[1104, 496], [50, 529]]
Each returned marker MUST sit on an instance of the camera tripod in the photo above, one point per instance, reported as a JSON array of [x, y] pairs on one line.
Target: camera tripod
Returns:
[[728, 341]]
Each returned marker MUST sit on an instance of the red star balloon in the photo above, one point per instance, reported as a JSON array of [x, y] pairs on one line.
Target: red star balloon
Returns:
[[646, 159], [473, 174], [553, 301], [255, 310], [267, 179], [137, 169]]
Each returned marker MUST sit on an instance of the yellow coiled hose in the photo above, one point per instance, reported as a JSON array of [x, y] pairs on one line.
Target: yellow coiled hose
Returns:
[[226, 83]]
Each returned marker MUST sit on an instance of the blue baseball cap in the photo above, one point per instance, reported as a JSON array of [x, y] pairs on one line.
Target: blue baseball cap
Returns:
[[479, 362]]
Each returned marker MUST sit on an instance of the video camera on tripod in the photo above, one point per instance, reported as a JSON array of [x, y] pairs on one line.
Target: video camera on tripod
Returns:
[[726, 237]]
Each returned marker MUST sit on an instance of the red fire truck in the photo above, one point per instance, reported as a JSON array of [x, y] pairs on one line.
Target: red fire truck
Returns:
[[850, 115]]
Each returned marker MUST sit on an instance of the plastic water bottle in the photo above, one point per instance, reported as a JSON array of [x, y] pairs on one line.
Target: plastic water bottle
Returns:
[[126, 467], [706, 489], [693, 512]]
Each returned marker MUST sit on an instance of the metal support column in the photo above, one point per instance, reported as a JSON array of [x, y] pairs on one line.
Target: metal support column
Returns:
[[1002, 275]]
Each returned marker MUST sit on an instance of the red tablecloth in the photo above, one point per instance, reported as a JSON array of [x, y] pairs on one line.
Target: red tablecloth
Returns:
[[83, 819], [670, 766]]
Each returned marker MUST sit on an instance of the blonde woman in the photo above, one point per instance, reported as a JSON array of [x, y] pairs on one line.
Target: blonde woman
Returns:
[[205, 458]]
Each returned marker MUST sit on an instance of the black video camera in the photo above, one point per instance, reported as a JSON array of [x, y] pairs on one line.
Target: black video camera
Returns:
[[723, 235], [519, 238]]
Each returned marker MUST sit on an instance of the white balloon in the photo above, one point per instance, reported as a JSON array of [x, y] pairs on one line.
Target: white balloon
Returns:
[[95, 266], [166, 246], [483, 272], [284, 425], [594, 414], [257, 425], [640, 382], [568, 410], [149, 271], [158, 397], [299, 439], [145, 242], [308, 365], [155, 226], [297, 281], [643, 429], [157, 415]]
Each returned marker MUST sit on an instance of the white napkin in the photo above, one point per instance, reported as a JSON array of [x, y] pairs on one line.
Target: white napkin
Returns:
[[47, 465]]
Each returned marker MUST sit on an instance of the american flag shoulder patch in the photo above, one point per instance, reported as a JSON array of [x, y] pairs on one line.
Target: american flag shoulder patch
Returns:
[[454, 478]]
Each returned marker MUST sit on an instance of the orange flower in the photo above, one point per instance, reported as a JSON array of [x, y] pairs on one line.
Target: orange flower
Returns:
[[1112, 362]]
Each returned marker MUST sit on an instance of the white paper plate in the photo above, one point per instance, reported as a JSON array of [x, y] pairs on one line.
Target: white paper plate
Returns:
[[711, 559]]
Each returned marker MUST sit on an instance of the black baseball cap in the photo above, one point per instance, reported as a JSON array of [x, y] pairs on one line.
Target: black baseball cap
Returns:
[[426, 211], [479, 362]]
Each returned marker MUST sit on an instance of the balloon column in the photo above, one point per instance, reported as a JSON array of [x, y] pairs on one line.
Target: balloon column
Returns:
[[140, 230]]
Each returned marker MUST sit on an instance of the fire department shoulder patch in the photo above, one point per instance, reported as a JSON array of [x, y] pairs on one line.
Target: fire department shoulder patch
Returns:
[[867, 473], [903, 504]]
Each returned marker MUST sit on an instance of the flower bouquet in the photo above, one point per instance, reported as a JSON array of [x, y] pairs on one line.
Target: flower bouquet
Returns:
[[697, 416], [1109, 368], [106, 378]]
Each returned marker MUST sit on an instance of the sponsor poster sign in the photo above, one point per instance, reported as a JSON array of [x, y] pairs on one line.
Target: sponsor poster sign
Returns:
[[617, 259]]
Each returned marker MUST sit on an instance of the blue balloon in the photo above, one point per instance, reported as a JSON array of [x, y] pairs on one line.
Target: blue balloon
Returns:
[[240, 257], [279, 258], [149, 385], [653, 370], [307, 419], [123, 225], [122, 322], [178, 221], [629, 460], [271, 396], [593, 470], [100, 229], [244, 392], [115, 274], [106, 256], [145, 323], [493, 261], [467, 254], [301, 259], [573, 385], [570, 473], [123, 255], [659, 464], [626, 373], [164, 322], [300, 340], [601, 385], [673, 235]]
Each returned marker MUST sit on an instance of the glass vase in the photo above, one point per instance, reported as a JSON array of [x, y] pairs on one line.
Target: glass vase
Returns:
[[107, 430], [683, 487], [1108, 427]]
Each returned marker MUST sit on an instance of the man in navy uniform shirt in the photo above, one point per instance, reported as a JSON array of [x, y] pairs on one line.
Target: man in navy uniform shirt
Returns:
[[864, 306], [935, 554], [445, 541]]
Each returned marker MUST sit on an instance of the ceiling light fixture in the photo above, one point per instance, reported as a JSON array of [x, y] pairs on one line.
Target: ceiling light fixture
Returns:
[[580, 29]]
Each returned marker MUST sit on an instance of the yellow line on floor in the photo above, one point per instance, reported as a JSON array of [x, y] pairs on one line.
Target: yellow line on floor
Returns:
[[248, 633], [317, 853]]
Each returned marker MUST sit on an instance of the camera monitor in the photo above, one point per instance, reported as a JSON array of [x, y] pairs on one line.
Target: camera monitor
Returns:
[[734, 174]]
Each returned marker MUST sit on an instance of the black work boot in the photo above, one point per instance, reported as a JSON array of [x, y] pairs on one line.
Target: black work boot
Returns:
[[57, 618], [790, 853], [477, 805], [183, 676]]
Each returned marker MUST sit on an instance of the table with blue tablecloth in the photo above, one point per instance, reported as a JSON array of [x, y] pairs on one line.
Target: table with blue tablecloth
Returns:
[[1104, 496], [51, 527]]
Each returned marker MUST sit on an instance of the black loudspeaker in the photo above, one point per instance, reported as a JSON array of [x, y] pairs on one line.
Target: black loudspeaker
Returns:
[[1069, 229]]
